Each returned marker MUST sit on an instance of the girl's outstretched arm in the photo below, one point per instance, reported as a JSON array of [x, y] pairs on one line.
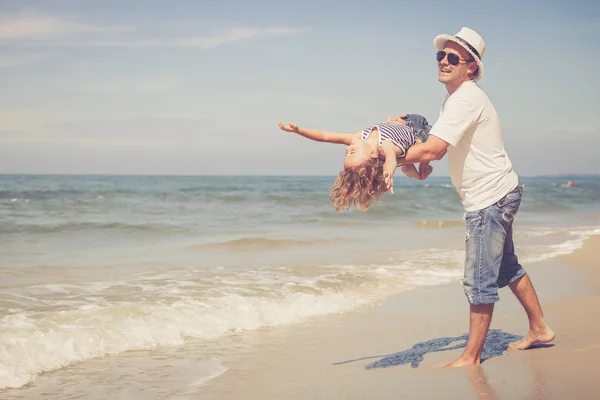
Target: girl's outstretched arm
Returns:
[[319, 136]]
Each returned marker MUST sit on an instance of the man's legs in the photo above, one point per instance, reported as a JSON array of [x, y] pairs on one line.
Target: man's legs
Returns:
[[480, 319], [491, 263], [539, 330], [513, 275], [483, 250]]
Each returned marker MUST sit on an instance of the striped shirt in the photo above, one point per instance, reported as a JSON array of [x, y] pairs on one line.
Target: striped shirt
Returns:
[[401, 135]]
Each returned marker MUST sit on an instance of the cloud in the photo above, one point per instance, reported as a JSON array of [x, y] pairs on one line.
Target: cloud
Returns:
[[17, 60], [229, 36], [27, 26], [25, 29], [127, 132], [203, 42], [14, 136], [143, 85]]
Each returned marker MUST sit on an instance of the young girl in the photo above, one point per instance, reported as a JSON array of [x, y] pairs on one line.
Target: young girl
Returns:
[[370, 160]]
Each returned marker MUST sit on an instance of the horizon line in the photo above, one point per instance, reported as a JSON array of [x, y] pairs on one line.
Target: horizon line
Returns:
[[253, 175]]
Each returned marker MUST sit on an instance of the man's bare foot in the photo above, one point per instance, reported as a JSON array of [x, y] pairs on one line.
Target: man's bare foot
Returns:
[[462, 363], [532, 338]]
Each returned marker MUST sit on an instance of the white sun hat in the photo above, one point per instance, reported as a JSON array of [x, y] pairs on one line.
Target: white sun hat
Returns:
[[470, 40]]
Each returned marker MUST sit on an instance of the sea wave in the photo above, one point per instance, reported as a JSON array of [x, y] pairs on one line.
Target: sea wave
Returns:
[[262, 243], [429, 224], [575, 242], [29, 345], [76, 226]]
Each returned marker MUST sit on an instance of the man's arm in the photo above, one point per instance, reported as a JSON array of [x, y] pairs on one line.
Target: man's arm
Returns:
[[433, 149], [457, 117]]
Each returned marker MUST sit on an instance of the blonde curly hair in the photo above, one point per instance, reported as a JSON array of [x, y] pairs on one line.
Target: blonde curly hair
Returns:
[[359, 186]]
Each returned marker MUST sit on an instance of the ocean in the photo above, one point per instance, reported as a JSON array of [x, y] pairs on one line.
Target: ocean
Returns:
[[179, 272]]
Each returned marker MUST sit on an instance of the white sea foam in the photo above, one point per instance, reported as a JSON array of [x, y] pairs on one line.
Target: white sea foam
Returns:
[[577, 238], [208, 370], [557, 231], [31, 344]]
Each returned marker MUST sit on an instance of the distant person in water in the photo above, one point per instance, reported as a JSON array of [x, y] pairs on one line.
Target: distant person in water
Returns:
[[370, 159], [468, 128]]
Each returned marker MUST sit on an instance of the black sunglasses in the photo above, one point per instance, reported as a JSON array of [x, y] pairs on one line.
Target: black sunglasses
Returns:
[[453, 59]]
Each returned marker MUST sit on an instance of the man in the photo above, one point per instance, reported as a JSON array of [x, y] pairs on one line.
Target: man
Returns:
[[468, 128]]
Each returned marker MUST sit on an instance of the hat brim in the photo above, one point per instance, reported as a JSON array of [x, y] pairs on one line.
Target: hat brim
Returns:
[[439, 44]]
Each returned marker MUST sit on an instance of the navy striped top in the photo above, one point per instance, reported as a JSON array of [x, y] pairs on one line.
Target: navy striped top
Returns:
[[401, 135]]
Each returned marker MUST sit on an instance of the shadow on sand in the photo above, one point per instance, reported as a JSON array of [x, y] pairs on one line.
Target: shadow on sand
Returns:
[[496, 343]]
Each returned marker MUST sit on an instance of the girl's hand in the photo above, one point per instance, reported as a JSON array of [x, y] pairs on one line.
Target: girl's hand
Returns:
[[290, 128], [389, 182], [388, 176]]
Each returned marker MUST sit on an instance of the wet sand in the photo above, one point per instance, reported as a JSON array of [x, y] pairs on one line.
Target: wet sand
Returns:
[[394, 349]]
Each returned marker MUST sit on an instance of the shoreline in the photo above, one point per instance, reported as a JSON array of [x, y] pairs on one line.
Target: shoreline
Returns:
[[394, 349], [381, 349]]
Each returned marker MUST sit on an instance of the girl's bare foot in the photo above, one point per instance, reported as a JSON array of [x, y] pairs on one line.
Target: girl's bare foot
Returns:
[[410, 170]]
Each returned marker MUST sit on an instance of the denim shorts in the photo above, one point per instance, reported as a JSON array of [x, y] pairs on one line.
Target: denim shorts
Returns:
[[420, 126], [491, 262]]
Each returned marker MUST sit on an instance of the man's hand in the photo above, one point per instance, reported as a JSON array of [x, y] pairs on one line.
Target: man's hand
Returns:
[[291, 127], [400, 119]]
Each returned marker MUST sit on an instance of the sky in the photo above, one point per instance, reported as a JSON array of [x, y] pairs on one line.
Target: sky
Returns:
[[198, 86]]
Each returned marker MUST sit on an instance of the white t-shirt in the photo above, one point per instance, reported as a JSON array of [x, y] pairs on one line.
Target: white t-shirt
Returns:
[[480, 169]]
